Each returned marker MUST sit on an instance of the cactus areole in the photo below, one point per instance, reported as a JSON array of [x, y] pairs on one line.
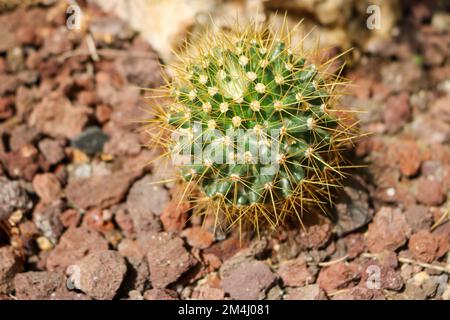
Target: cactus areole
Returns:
[[253, 125]]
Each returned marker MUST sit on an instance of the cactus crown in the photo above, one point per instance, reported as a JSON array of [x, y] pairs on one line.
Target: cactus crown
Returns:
[[254, 126]]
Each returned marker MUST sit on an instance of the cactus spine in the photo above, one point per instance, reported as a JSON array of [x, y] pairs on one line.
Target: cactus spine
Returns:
[[254, 126]]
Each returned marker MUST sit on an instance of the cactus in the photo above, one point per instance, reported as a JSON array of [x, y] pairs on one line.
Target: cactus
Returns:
[[254, 127]]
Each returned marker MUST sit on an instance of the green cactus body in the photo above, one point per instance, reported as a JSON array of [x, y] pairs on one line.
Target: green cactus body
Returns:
[[253, 125]]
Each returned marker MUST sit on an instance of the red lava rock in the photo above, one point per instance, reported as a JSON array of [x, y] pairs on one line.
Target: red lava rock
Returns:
[[352, 208], [9, 39], [103, 113], [12, 197], [418, 217], [95, 219], [145, 201], [211, 261], [439, 108], [424, 246], [253, 250], [101, 191], [57, 117], [355, 245], [430, 192], [22, 135], [402, 75], [22, 163], [141, 161], [359, 293], [388, 231], [198, 237], [5, 297], [26, 99], [317, 235], [52, 150], [37, 285], [122, 143], [338, 276], [108, 87], [401, 194], [160, 294], [6, 107], [206, 292], [225, 249], [87, 98], [57, 42], [418, 291], [396, 112], [208, 289], [28, 231], [295, 273], [174, 215], [434, 54], [362, 87], [138, 274], [408, 157], [167, 258], [131, 250], [47, 219], [310, 292], [8, 84], [9, 266], [210, 281], [141, 71], [388, 259], [70, 218], [431, 129], [47, 187], [248, 281], [74, 244], [99, 274], [3, 66], [147, 193], [443, 234], [26, 35], [111, 28], [123, 220], [433, 169]]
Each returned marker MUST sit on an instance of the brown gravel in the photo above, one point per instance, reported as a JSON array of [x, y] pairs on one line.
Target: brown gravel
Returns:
[[338, 276], [309, 292], [248, 281], [295, 273], [9, 266], [99, 274], [424, 246], [167, 258], [388, 231], [75, 244], [37, 285]]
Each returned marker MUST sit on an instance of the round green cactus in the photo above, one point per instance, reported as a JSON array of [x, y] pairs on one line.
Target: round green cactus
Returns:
[[254, 126]]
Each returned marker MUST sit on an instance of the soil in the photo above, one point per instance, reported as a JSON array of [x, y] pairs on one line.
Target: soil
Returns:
[[84, 218]]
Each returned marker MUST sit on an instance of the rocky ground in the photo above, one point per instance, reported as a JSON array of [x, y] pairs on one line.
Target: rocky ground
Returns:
[[87, 221]]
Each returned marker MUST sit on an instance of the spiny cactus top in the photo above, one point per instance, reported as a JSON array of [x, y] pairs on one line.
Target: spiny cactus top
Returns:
[[253, 125]]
